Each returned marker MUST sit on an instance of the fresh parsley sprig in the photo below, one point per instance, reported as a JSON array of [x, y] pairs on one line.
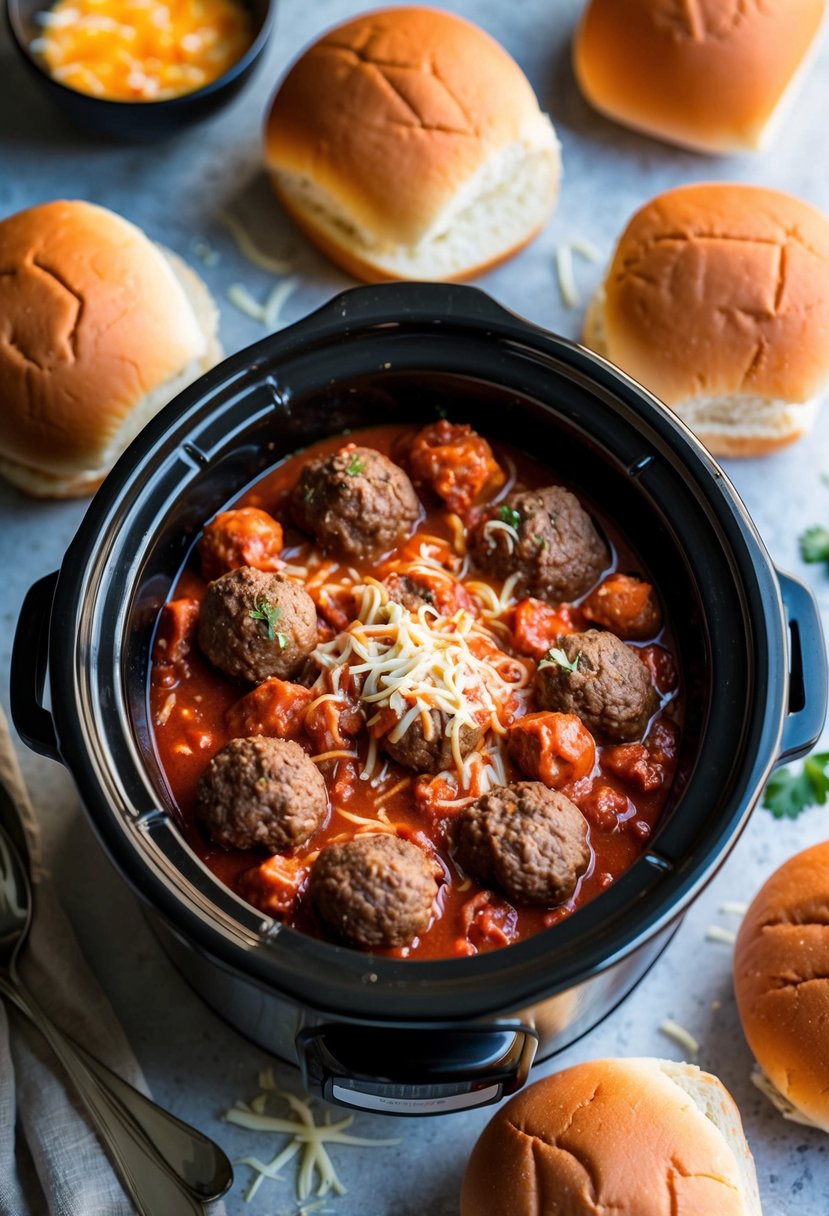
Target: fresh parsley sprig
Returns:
[[355, 466], [788, 793], [269, 614], [557, 658], [508, 515], [814, 545]]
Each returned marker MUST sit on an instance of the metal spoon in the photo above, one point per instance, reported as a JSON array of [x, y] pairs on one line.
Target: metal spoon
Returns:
[[165, 1165]]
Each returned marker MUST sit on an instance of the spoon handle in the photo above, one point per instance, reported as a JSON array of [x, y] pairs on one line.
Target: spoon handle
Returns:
[[142, 1168]]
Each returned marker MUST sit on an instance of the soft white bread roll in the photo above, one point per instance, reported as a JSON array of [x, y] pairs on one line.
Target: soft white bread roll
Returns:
[[781, 981], [645, 1137], [708, 75], [99, 328], [717, 300], [408, 144]]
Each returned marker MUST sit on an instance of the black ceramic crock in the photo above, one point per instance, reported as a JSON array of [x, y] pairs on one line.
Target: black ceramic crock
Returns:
[[394, 1035]]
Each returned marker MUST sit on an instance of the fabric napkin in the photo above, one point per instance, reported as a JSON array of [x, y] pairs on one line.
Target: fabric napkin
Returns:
[[51, 1161]]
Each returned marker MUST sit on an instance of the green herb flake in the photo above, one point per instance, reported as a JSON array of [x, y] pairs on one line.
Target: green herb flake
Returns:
[[542, 543], [557, 658], [269, 615], [814, 545], [508, 515], [355, 466], [262, 782], [788, 793]]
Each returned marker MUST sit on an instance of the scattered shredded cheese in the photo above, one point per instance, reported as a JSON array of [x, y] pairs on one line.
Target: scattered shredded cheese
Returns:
[[308, 1138], [734, 907], [241, 298], [273, 304], [716, 933], [205, 252], [166, 709], [249, 249], [564, 267], [786, 1108], [339, 753], [680, 1035], [498, 525], [589, 251]]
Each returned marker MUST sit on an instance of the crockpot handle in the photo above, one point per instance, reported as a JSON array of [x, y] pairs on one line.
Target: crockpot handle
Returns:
[[807, 670], [30, 654], [415, 1071], [382, 303]]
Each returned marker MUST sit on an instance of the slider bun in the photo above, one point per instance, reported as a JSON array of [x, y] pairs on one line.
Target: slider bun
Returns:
[[99, 328], [710, 76], [781, 981], [717, 300], [408, 144], [645, 1137]]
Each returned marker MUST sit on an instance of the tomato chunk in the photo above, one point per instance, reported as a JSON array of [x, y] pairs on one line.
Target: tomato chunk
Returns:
[[456, 463], [246, 536], [625, 605], [605, 808], [275, 708], [175, 639], [274, 886], [332, 723], [536, 625], [488, 923], [660, 663], [557, 749], [634, 764]]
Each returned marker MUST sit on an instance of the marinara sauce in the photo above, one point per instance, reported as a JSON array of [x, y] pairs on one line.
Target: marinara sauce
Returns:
[[621, 789]]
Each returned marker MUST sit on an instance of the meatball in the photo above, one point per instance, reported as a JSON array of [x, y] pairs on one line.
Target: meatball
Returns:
[[261, 793], [375, 890], [558, 555], [432, 755], [528, 841], [603, 681], [254, 625], [243, 537], [356, 500]]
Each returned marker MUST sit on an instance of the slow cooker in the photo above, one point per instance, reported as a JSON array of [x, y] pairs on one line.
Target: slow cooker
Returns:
[[372, 1032]]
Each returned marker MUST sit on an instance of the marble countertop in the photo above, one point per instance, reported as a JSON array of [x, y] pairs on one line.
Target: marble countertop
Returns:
[[196, 1064]]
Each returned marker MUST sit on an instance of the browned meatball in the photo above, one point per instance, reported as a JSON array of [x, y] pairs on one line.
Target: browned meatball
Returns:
[[558, 556], [375, 890], [525, 839], [253, 625], [601, 680], [356, 500], [432, 755], [261, 793]]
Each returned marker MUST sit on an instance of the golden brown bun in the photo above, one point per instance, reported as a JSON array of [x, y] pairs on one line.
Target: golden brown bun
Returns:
[[98, 329], [407, 143], [645, 1137], [717, 300], [711, 76], [781, 980]]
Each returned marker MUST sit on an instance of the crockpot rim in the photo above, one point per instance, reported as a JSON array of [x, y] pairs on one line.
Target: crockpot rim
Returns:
[[398, 982]]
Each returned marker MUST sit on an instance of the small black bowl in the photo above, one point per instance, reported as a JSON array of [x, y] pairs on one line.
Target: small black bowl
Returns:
[[137, 120]]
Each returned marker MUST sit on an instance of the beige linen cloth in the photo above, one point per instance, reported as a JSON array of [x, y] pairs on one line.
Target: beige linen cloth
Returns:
[[51, 1162]]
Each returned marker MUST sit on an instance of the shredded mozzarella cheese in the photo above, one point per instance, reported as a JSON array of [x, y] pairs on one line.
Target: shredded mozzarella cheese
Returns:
[[716, 933], [680, 1035], [248, 248]]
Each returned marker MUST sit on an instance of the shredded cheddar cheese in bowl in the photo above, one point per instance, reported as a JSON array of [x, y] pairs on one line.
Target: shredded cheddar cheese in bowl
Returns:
[[142, 50]]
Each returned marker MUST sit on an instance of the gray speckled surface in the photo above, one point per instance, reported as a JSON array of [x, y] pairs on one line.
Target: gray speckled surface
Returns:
[[195, 1064]]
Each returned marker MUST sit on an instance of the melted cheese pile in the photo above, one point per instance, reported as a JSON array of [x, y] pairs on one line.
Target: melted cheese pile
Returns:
[[142, 50], [413, 663]]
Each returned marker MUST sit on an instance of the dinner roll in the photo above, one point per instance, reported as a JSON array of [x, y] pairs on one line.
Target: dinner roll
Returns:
[[408, 144], [647, 1137], [717, 300], [99, 328], [710, 76], [781, 980]]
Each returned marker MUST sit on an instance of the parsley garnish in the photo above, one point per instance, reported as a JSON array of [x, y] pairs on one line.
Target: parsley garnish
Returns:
[[509, 515], [269, 615], [814, 545], [355, 466], [542, 543], [787, 793], [557, 658]]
